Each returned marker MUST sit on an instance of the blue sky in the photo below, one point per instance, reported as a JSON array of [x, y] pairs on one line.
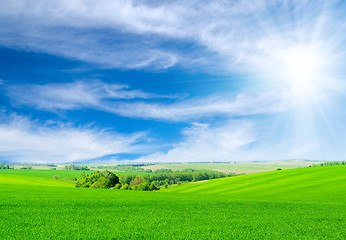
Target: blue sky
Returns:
[[175, 81]]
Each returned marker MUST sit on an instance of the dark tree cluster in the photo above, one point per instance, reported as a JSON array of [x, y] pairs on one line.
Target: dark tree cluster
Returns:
[[26, 167], [76, 167], [4, 166], [147, 182], [163, 170], [330, 163], [170, 177], [126, 168], [104, 179]]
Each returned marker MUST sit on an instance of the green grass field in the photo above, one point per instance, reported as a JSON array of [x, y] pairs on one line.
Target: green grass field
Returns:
[[43, 173], [304, 203], [237, 168]]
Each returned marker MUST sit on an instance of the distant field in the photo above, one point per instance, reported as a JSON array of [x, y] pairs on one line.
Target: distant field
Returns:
[[236, 168], [290, 204], [43, 173], [12, 180]]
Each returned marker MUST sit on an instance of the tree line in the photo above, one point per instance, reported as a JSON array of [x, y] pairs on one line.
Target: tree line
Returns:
[[4, 166], [127, 168], [147, 182], [76, 167], [330, 163]]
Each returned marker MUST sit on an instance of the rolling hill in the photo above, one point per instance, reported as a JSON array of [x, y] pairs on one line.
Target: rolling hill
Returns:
[[315, 183]]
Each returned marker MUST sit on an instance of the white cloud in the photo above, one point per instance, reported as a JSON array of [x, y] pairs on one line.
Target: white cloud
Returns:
[[203, 143], [26, 141], [75, 95], [187, 110], [120, 100], [244, 141], [242, 35]]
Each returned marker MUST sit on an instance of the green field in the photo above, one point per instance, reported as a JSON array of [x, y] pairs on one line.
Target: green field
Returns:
[[304, 203], [235, 167], [44, 173]]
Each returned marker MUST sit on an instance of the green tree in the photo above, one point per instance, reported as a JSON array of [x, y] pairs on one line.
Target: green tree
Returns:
[[138, 180]]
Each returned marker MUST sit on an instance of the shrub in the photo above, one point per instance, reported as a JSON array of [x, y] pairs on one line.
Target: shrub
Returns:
[[153, 187], [56, 177], [144, 187], [124, 186]]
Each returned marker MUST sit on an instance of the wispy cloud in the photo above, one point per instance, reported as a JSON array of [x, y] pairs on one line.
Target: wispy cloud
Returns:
[[26, 141], [193, 109], [75, 95], [203, 143], [245, 140], [120, 100], [243, 35]]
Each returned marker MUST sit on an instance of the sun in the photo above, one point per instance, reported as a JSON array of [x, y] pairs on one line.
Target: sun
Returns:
[[301, 70]]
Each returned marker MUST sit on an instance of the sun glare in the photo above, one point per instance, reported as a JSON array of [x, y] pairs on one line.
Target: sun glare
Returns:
[[301, 69]]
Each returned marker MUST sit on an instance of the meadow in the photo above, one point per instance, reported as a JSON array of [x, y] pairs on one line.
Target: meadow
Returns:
[[306, 203], [44, 173]]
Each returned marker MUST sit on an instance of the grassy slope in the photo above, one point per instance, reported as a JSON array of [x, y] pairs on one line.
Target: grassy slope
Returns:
[[37, 208], [317, 183]]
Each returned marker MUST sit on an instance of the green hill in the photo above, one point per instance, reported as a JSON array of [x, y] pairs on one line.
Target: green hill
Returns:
[[290, 204], [315, 183]]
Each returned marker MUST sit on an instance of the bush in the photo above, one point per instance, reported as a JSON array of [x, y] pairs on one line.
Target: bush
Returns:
[[124, 186], [56, 177], [144, 187], [153, 187]]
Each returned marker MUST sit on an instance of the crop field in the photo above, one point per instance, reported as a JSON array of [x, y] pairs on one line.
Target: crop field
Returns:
[[234, 167], [306, 203]]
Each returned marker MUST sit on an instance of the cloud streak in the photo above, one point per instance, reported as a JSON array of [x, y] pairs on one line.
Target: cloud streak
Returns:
[[120, 100], [25, 141], [75, 95]]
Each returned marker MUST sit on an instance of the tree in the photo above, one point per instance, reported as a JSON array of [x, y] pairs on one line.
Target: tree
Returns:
[[138, 180], [105, 179], [153, 187]]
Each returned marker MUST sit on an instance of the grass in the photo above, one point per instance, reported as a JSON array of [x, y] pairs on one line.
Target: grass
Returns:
[[43, 173], [316, 183], [271, 205]]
